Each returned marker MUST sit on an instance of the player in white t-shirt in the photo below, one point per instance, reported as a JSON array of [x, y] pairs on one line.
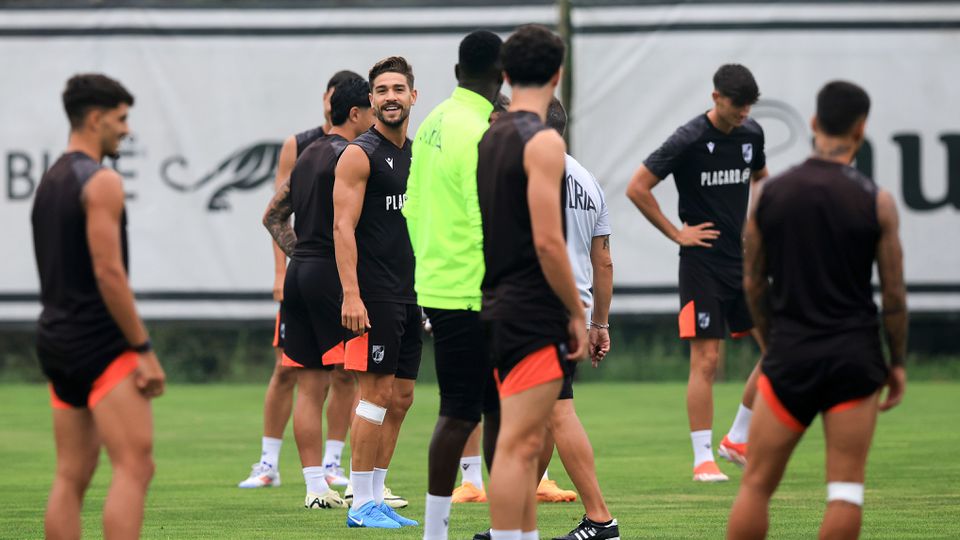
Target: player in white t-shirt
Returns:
[[588, 244]]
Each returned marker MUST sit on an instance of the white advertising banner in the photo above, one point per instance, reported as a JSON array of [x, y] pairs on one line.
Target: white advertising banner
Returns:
[[217, 91]]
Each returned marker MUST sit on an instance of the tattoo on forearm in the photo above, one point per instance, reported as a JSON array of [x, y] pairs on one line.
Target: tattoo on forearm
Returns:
[[277, 220], [606, 243]]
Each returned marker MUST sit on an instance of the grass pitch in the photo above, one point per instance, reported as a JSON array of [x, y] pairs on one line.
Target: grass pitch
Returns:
[[207, 436]]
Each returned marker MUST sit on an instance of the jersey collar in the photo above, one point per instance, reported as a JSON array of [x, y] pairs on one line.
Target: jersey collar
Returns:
[[473, 100]]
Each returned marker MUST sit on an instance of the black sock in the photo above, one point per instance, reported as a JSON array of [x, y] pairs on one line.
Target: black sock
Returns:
[[598, 524]]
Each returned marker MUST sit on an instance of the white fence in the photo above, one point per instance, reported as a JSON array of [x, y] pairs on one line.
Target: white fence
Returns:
[[217, 90]]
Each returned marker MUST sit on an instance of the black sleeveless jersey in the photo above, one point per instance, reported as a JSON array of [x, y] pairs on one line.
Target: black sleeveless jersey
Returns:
[[820, 232], [75, 326], [306, 138], [311, 196], [712, 171], [385, 261], [513, 286]]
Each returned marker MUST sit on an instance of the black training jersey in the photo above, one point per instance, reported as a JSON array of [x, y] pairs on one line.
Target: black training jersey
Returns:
[[820, 231], [384, 254], [311, 196], [306, 138], [74, 326], [712, 170], [513, 286]]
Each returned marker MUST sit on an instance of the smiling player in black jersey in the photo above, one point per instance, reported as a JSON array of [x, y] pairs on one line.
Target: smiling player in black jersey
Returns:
[[714, 159], [375, 263]]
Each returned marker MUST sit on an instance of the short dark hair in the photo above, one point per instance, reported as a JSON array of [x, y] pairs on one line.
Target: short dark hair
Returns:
[[89, 91], [349, 93], [532, 55], [556, 116], [840, 105], [737, 83], [502, 103], [341, 76], [392, 64], [479, 54]]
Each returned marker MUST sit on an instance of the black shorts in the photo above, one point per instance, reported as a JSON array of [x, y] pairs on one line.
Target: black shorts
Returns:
[[822, 375], [279, 328], [464, 369], [89, 382], [712, 302], [527, 353], [393, 344], [566, 391], [313, 335]]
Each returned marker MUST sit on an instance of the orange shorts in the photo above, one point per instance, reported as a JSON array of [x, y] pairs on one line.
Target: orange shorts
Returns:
[[114, 374]]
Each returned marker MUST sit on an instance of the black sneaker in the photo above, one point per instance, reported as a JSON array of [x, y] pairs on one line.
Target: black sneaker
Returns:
[[588, 530], [485, 535]]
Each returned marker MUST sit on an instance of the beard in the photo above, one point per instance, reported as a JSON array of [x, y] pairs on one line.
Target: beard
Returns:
[[404, 114]]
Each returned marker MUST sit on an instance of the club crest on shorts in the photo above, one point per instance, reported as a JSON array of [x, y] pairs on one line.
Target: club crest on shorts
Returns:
[[703, 319], [747, 149], [376, 353]]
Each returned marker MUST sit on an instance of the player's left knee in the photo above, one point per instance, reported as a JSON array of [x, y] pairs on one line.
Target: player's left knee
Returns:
[[846, 492], [402, 399]]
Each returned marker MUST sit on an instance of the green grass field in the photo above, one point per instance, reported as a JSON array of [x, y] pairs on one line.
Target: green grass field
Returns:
[[207, 436]]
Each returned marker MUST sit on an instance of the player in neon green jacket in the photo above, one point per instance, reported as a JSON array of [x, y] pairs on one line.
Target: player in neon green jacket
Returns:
[[443, 219]]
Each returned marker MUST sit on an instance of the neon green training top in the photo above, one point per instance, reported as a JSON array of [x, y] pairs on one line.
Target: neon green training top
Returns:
[[442, 209]]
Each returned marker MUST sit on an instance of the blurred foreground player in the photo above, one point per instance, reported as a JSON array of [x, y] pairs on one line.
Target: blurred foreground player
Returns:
[[375, 263], [443, 219], [314, 340], [92, 345], [529, 298], [714, 159], [815, 232], [279, 398]]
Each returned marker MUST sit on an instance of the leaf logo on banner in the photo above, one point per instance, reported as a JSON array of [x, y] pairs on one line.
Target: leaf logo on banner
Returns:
[[243, 170]]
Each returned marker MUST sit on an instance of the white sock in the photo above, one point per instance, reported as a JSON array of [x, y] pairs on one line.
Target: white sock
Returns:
[[379, 480], [506, 535], [546, 476], [436, 518], [702, 446], [331, 455], [530, 535], [362, 482], [314, 477], [270, 451], [741, 425], [472, 471]]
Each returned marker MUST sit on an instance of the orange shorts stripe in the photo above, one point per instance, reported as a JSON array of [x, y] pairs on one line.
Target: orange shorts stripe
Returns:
[[847, 405], [336, 355], [688, 321], [116, 372], [355, 354], [538, 367], [738, 335], [781, 412], [276, 331], [56, 402], [286, 361]]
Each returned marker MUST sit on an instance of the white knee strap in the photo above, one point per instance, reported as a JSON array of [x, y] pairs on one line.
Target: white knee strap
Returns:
[[371, 413], [850, 492]]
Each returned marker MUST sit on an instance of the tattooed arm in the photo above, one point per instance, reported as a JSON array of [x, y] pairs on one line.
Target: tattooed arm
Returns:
[[755, 283], [277, 219]]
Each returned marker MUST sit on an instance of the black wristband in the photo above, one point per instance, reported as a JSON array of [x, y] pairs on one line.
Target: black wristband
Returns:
[[144, 347]]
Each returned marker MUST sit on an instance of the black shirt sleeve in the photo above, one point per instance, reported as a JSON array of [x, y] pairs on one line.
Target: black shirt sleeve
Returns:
[[664, 160], [761, 159]]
